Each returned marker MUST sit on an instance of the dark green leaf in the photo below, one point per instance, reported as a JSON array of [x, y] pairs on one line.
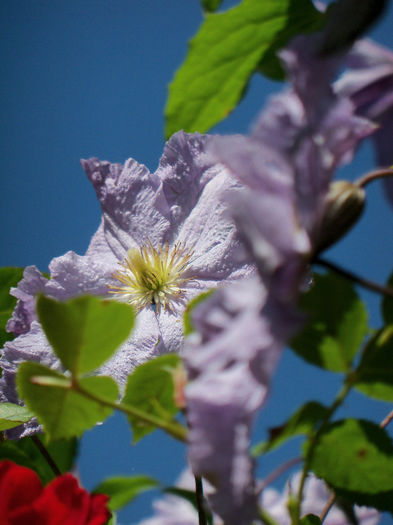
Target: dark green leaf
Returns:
[[26, 453], [150, 389], [355, 455], [63, 412], [9, 277], [12, 415], [211, 5], [382, 501], [187, 318], [227, 50], [337, 324], [387, 304], [123, 489], [347, 20], [85, 331], [310, 519], [303, 422], [374, 376]]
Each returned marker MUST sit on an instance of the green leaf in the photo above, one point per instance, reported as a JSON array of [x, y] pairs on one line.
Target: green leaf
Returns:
[[9, 277], [85, 331], [150, 389], [187, 318], [387, 304], [355, 455], [227, 50], [337, 324], [123, 489], [374, 375], [310, 519], [26, 453], [12, 415], [64, 412], [302, 422], [211, 5]]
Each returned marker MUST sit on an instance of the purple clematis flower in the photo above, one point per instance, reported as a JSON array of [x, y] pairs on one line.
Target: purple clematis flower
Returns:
[[286, 166], [164, 238], [369, 84]]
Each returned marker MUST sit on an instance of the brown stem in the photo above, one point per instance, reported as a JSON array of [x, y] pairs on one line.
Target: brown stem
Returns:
[[46, 455], [387, 420], [371, 285], [200, 501], [373, 175]]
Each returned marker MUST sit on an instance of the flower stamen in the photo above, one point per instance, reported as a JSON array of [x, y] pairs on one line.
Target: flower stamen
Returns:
[[153, 276]]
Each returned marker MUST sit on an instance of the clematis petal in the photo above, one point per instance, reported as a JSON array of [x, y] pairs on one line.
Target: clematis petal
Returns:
[[133, 203], [33, 282], [73, 275], [184, 171]]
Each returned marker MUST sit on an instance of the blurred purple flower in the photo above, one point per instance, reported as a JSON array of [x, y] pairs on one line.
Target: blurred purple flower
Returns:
[[164, 238], [172, 510], [286, 165], [369, 84], [230, 361]]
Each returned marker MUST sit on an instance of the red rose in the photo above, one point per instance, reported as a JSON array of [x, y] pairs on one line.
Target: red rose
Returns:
[[23, 500]]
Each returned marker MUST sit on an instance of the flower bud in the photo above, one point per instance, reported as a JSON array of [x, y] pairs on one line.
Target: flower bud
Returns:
[[344, 205]]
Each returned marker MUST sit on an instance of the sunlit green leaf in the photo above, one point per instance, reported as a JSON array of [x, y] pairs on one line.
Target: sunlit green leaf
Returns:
[[375, 371], [227, 50], [355, 455], [12, 415], [123, 489], [9, 277], [25, 452], [150, 389], [85, 331], [337, 324], [64, 412], [302, 422]]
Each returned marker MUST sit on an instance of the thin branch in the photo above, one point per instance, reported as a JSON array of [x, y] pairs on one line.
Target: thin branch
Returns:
[[277, 473], [373, 175], [200, 501], [387, 420], [46, 455], [173, 428], [329, 504], [370, 285]]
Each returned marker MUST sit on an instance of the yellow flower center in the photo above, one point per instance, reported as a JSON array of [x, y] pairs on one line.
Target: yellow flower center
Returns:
[[153, 276]]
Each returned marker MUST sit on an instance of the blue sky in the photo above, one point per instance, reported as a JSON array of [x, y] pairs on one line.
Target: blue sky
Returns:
[[82, 79]]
